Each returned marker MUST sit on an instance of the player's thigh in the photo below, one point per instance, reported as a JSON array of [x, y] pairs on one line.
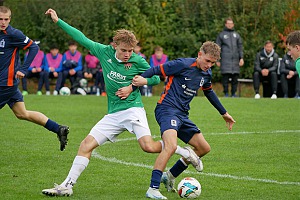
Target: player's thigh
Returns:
[[200, 144], [108, 127], [136, 122]]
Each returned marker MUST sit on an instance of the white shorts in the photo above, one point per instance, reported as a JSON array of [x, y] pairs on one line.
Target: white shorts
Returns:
[[111, 125]]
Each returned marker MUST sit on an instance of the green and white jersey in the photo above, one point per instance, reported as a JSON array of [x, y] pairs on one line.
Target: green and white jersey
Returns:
[[298, 65], [116, 74]]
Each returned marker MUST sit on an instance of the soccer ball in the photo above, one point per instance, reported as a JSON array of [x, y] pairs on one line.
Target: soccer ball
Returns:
[[189, 188], [65, 91]]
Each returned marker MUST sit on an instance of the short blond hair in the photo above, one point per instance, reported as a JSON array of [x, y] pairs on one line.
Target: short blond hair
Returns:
[[126, 37], [211, 49], [4, 9]]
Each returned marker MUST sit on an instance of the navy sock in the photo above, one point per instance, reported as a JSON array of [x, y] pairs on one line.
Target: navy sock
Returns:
[[155, 179], [178, 168], [52, 126]]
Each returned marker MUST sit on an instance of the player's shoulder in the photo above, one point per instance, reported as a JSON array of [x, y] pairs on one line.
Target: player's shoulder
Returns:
[[14, 32], [185, 61]]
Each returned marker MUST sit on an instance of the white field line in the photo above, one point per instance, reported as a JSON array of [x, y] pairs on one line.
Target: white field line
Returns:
[[246, 178]]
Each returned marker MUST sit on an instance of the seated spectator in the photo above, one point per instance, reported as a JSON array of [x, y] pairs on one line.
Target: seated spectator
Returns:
[[52, 62], [71, 67], [36, 69], [289, 76], [156, 59], [265, 69], [92, 69]]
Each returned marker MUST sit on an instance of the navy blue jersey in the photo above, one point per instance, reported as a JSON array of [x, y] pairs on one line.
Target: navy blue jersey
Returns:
[[184, 80], [11, 40]]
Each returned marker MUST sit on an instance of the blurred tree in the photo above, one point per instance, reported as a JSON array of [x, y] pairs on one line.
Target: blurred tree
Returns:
[[179, 26]]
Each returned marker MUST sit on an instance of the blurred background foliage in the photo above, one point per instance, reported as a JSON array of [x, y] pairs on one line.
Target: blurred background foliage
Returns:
[[179, 26]]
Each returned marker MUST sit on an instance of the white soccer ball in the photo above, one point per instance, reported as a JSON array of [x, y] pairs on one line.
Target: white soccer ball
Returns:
[[65, 91], [189, 188]]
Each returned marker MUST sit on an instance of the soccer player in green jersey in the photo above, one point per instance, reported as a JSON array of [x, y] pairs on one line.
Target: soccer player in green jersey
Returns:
[[125, 107], [293, 45]]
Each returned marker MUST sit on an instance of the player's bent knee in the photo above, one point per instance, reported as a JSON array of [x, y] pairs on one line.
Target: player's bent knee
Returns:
[[87, 145]]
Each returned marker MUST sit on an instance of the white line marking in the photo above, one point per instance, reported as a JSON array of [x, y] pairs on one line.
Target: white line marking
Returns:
[[247, 178]]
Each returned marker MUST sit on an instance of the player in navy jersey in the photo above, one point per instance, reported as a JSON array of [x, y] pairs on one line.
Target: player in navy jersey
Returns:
[[185, 77], [11, 41]]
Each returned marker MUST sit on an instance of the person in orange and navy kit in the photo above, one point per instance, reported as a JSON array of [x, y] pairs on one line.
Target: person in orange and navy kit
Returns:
[[11, 41], [185, 77]]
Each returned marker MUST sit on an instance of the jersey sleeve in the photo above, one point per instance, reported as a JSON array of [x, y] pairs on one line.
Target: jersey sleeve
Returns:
[[144, 66], [78, 36]]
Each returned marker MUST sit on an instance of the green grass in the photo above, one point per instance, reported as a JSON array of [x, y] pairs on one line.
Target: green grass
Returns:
[[259, 159]]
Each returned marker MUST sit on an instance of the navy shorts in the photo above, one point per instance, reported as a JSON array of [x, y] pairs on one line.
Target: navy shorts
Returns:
[[170, 118], [10, 95]]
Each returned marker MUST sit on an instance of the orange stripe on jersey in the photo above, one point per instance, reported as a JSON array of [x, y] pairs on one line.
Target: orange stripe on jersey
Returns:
[[27, 45], [194, 64], [206, 88], [162, 70], [170, 78], [11, 69]]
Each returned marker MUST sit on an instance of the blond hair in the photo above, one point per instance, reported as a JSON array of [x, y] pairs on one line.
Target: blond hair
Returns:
[[4, 9], [126, 37], [211, 49]]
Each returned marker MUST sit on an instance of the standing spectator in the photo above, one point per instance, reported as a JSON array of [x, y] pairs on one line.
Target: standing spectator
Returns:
[[231, 56], [289, 76], [11, 41], [158, 58], [71, 67], [265, 69], [293, 45], [36, 69], [52, 62], [92, 69]]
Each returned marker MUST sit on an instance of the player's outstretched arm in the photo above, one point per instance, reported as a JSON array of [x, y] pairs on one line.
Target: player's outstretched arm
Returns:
[[53, 15], [229, 120]]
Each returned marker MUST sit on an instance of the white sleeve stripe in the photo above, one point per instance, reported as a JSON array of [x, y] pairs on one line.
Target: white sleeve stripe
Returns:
[[26, 40]]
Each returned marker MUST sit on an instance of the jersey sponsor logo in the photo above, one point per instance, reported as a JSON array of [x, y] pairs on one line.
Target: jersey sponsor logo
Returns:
[[2, 43], [226, 37], [188, 91], [173, 122], [117, 77], [26, 40], [109, 60], [187, 79]]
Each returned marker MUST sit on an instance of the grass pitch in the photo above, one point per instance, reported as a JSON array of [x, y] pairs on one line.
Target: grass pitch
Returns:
[[259, 159]]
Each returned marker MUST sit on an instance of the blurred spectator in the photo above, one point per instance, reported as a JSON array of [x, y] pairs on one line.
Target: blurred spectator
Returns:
[[36, 69], [92, 69], [156, 59], [289, 76], [231, 56], [71, 67], [265, 69], [52, 62], [137, 49]]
